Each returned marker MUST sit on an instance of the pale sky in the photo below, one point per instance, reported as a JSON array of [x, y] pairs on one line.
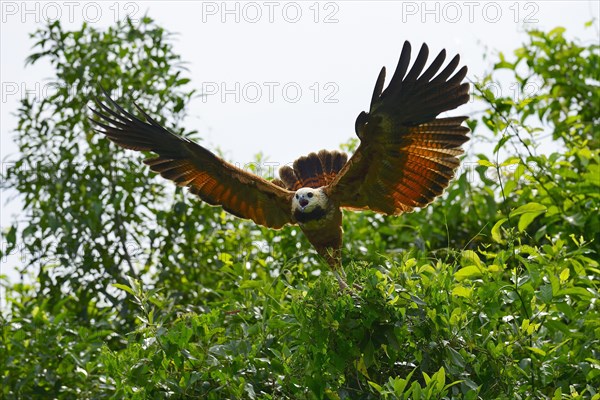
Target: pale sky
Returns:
[[283, 78]]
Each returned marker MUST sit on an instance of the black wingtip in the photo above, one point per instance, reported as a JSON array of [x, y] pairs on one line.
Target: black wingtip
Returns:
[[434, 67], [146, 115], [378, 86], [396, 81], [406, 46], [418, 65]]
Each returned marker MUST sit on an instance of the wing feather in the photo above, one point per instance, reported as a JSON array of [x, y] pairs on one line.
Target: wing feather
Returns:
[[188, 164], [406, 155]]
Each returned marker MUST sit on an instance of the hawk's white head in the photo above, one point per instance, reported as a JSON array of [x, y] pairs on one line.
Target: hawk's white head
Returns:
[[309, 204]]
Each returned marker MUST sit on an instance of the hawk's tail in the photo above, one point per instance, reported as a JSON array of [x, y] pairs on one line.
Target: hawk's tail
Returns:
[[314, 170]]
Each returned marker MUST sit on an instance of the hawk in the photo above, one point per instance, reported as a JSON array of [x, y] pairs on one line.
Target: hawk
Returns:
[[405, 159]]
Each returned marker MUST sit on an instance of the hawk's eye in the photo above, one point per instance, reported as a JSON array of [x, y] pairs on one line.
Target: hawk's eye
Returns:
[[310, 195]]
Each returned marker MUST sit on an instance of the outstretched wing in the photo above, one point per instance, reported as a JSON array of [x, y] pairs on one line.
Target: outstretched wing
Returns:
[[406, 156], [188, 164]]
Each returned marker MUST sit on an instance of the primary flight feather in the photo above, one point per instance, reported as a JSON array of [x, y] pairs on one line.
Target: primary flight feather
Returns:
[[405, 159]]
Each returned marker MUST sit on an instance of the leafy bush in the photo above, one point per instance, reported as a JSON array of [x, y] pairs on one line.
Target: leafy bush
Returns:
[[490, 293]]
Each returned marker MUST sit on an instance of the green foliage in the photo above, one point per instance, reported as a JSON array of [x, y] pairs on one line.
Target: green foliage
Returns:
[[86, 205], [489, 293], [45, 352]]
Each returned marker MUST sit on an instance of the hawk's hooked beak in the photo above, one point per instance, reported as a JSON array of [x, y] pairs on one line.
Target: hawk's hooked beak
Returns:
[[303, 202]]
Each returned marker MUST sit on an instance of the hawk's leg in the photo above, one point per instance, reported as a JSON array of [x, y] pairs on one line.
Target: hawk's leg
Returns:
[[341, 278]]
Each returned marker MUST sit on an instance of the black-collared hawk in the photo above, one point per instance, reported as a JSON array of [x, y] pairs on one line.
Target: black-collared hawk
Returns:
[[405, 159]]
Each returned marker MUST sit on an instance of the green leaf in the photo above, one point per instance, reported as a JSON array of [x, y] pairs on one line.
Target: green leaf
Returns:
[[426, 377], [564, 275], [528, 213], [124, 287], [470, 272], [375, 386], [575, 291], [536, 351], [545, 293], [501, 143], [511, 161], [485, 163], [440, 378], [11, 236], [528, 208], [456, 357], [558, 31], [462, 291], [496, 234], [508, 187], [469, 256], [362, 368], [526, 220], [416, 390]]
